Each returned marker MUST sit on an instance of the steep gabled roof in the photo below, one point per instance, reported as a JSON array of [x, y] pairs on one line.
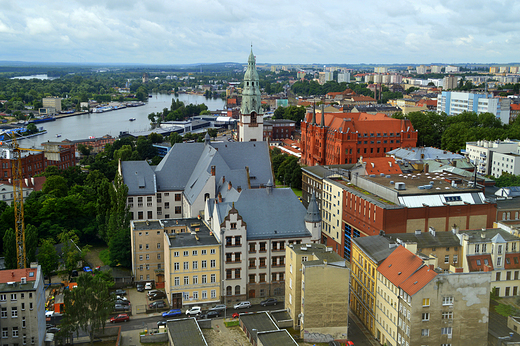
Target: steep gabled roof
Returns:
[[418, 280], [400, 265]]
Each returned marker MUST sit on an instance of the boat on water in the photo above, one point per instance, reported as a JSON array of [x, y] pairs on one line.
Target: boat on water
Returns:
[[132, 119], [58, 135], [42, 120]]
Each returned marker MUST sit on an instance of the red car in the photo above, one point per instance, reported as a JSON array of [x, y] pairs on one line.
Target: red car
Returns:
[[120, 318], [350, 343], [236, 314]]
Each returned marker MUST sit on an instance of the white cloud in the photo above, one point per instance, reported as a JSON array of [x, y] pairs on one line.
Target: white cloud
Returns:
[[188, 31]]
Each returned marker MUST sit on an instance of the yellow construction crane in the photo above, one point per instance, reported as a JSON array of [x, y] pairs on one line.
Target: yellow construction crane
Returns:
[[51, 152]]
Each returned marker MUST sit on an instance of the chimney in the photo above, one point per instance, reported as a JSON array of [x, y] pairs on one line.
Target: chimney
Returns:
[[213, 170], [219, 197], [229, 186], [239, 189], [426, 168], [223, 179], [431, 266]]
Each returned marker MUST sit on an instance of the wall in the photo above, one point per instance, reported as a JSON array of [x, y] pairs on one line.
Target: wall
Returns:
[[154, 338]]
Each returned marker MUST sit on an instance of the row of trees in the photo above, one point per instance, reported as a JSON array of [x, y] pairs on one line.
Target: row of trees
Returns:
[[286, 168], [452, 132], [178, 111]]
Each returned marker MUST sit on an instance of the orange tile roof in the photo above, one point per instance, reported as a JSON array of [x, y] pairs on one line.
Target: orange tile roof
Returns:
[[304, 103], [378, 165], [399, 265], [231, 101], [15, 275], [418, 280], [515, 107], [512, 261], [363, 98], [480, 263], [431, 103]]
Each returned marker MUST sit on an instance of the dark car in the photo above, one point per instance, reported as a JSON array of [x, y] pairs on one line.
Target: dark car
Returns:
[[219, 307], [120, 292], [211, 314], [269, 301], [157, 305], [122, 302], [158, 295], [140, 287], [121, 307], [53, 330]]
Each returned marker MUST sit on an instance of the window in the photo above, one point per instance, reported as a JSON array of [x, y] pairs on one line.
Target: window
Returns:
[[177, 197], [194, 253], [477, 248], [14, 312], [30, 306], [177, 210], [252, 247], [23, 322], [426, 316], [147, 257], [204, 294], [177, 281], [141, 267], [4, 313], [213, 293], [426, 302], [186, 253], [158, 256], [195, 279], [176, 266], [3, 297], [252, 278], [204, 279], [204, 264], [262, 277], [186, 280], [497, 277], [176, 254], [186, 265], [499, 261], [15, 332], [213, 264], [147, 267], [212, 251], [5, 332], [204, 252], [195, 265], [499, 249], [140, 247], [213, 278], [447, 259], [447, 315], [158, 245], [446, 331], [13, 296], [447, 300], [455, 258], [425, 332]]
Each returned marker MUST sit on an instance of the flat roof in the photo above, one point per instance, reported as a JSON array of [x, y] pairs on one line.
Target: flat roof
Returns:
[[259, 321], [276, 338], [185, 332], [427, 240]]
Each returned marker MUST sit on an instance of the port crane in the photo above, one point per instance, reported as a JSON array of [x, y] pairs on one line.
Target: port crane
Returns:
[[51, 152]]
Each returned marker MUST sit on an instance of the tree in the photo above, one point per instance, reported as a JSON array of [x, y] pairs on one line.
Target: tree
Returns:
[[31, 243], [55, 185], [88, 305], [175, 138], [156, 137], [72, 254], [47, 257], [10, 249], [84, 150], [213, 133]]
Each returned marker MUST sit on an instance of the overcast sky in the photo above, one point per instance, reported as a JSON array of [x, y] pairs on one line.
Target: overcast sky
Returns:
[[282, 31]]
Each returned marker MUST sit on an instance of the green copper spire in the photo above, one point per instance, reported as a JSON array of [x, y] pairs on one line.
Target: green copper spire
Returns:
[[251, 96]]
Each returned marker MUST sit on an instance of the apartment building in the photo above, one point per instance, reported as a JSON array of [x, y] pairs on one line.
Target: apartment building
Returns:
[[506, 163], [173, 190], [482, 154], [418, 306], [367, 254], [22, 304], [316, 294], [496, 251], [52, 104], [192, 264], [147, 250], [332, 206], [456, 102], [253, 245]]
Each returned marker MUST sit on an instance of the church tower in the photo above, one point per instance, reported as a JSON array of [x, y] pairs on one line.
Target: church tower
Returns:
[[313, 220], [251, 124]]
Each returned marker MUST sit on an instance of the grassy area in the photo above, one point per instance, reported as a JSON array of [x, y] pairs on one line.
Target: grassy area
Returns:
[[104, 256], [296, 191]]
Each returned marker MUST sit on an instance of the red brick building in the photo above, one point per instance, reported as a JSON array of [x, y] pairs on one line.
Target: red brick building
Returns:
[[35, 163], [340, 138], [278, 129]]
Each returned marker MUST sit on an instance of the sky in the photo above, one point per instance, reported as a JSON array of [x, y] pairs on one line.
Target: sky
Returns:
[[281, 32]]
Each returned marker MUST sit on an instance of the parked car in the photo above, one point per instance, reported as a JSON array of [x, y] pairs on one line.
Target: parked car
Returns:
[[161, 323], [53, 330], [236, 314], [49, 313], [242, 305], [87, 269], [350, 343], [269, 301], [120, 318], [194, 310], [157, 305], [140, 287], [121, 307], [211, 314], [120, 292], [149, 293], [122, 302], [121, 298], [148, 286], [219, 307], [158, 295], [172, 313]]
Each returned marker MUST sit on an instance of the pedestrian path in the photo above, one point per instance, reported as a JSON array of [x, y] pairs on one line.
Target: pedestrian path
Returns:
[[366, 332]]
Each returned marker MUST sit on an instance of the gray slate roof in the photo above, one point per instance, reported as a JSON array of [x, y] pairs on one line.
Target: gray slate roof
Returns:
[[377, 247], [313, 213], [414, 154], [139, 177], [427, 240], [186, 332], [276, 215]]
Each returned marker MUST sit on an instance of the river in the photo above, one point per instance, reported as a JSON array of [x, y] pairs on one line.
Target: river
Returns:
[[112, 123]]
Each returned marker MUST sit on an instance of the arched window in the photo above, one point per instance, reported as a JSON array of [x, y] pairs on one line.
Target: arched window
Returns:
[[237, 290], [229, 291], [253, 118]]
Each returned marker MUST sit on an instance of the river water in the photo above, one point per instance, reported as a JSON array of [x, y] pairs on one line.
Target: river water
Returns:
[[113, 122]]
